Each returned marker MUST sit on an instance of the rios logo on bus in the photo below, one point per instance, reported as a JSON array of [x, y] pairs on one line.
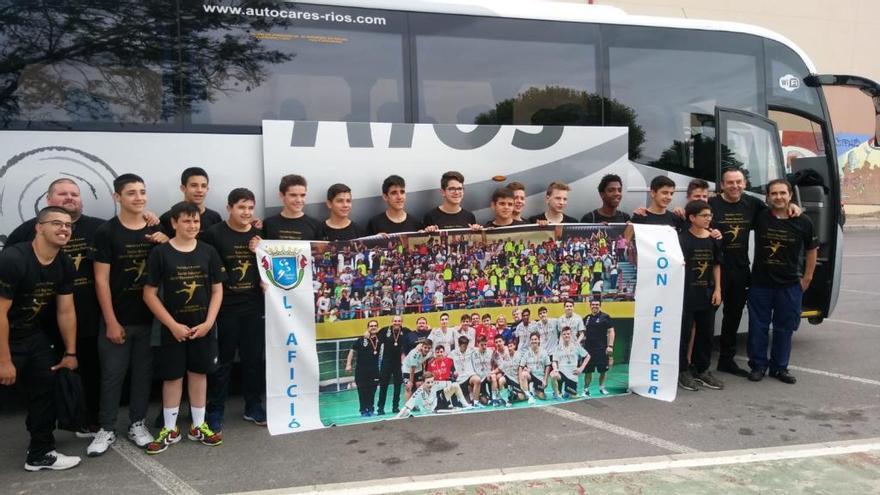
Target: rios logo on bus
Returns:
[[789, 82], [284, 267]]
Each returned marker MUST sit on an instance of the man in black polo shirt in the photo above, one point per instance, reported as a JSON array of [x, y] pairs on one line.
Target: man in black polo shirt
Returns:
[[240, 323], [391, 338], [598, 340], [35, 277], [611, 192], [786, 248], [394, 219], [450, 214], [366, 373]]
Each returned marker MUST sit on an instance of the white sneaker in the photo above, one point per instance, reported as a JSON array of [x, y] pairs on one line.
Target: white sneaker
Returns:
[[103, 440], [53, 460], [139, 434], [603, 391], [532, 399]]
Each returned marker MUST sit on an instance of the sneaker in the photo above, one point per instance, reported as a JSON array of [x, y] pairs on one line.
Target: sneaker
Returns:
[[380, 412], [532, 399], [586, 393], [756, 375], [730, 366], [395, 410], [203, 433], [603, 390], [566, 396], [139, 434], [707, 380], [165, 438], [87, 432], [256, 415], [784, 376], [687, 382], [102, 441], [53, 460]]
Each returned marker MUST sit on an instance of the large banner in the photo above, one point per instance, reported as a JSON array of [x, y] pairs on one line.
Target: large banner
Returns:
[[407, 325]]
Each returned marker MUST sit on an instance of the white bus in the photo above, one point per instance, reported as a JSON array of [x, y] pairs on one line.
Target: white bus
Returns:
[[90, 90]]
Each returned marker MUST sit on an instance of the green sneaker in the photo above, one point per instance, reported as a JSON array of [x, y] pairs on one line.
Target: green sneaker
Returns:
[[165, 438], [203, 433], [708, 380]]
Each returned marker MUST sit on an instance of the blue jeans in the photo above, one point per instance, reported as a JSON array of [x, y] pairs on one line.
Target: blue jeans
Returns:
[[782, 308]]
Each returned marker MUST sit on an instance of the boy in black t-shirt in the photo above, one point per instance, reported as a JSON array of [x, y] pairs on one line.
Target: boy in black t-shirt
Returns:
[[556, 199], [394, 219], [194, 186], [662, 190], [786, 249], [35, 277], [611, 192], [190, 276], [240, 323], [450, 214], [519, 199], [122, 245], [702, 295], [502, 205], [292, 224], [338, 227]]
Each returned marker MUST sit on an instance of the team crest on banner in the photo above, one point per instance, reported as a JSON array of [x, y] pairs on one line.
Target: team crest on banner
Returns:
[[284, 267]]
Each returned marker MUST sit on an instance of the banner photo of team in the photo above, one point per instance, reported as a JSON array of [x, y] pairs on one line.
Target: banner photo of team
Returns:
[[461, 320]]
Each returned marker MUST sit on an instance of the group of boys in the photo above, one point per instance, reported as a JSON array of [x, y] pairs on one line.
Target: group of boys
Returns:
[[193, 277], [473, 364]]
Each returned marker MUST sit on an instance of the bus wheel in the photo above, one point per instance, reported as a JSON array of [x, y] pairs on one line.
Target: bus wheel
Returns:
[[815, 320]]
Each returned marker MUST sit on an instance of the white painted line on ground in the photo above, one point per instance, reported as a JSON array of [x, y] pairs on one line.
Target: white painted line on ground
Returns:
[[619, 430], [856, 323], [158, 474], [591, 468], [861, 292], [830, 374]]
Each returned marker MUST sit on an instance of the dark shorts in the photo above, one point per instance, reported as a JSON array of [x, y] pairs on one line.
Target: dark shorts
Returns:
[[486, 387], [537, 382], [418, 378], [568, 384], [598, 361], [174, 360]]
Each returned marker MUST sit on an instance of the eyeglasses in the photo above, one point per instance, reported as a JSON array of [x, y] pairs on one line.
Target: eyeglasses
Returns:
[[454, 189], [58, 224]]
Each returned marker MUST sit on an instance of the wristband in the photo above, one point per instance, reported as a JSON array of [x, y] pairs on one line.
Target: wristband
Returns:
[[69, 354]]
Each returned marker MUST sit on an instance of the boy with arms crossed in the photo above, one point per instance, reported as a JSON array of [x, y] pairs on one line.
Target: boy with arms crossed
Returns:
[[122, 246], [702, 295], [240, 324], [190, 275]]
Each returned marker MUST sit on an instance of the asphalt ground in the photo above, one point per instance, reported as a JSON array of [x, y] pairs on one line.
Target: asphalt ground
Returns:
[[836, 399]]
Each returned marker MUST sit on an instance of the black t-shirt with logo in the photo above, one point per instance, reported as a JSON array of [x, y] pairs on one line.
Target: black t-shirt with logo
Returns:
[[596, 332], [735, 221], [32, 287], [392, 345], [543, 217], [126, 251], [185, 281], [241, 291], [381, 224], [304, 228], [352, 231], [207, 218], [461, 220], [780, 249], [665, 218], [81, 249], [700, 257], [366, 353], [596, 216]]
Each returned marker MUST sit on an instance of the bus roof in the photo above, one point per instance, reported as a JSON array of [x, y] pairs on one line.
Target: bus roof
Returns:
[[563, 11]]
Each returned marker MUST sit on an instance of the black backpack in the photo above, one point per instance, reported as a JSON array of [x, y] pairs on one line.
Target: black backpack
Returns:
[[70, 404]]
